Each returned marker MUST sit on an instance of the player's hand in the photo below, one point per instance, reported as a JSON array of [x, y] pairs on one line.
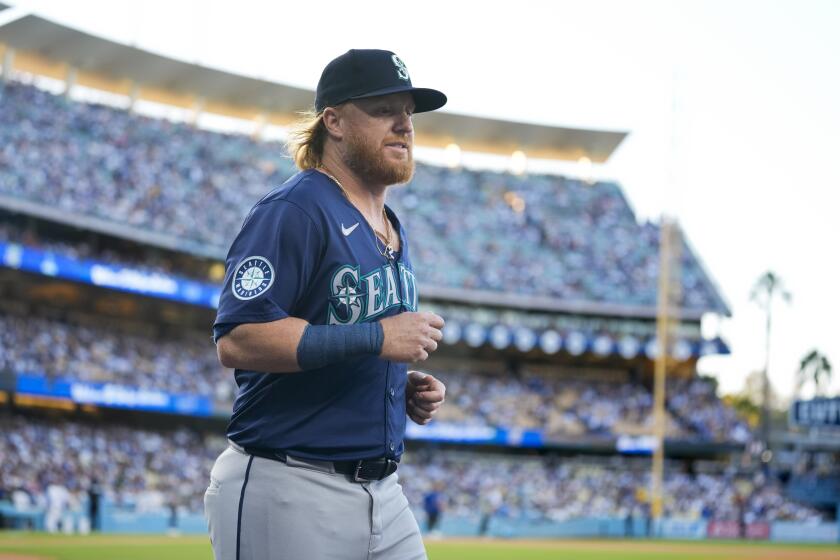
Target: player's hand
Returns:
[[424, 395], [410, 337]]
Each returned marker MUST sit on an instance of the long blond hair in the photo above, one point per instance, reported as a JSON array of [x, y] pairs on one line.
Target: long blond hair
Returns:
[[306, 140]]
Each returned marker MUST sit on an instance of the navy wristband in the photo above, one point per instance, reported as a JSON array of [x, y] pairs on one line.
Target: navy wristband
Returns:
[[322, 345]]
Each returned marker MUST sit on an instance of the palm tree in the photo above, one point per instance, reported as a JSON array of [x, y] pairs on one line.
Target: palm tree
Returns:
[[816, 367], [766, 289]]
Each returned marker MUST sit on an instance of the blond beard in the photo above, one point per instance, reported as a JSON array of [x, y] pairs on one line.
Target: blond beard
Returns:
[[369, 163]]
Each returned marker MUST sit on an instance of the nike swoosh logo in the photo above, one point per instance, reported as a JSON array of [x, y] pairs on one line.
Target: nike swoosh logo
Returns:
[[349, 230]]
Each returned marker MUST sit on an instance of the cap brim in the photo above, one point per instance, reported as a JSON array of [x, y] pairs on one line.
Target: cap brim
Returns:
[[425, 99]]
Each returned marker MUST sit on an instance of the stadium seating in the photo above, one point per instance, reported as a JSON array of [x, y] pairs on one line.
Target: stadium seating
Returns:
[[85, 350], [567, 489], [567, 408], [138, 468], [143, 261], [571, 240], [149, 470], [697, 405]]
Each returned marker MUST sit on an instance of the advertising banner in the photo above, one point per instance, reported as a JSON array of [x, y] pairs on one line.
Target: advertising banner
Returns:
[[821, 412], [114, 396], [758, 531], [683, 528], [725, 529]]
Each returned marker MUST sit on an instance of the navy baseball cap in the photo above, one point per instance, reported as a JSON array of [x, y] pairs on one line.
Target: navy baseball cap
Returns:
[[361, 73]]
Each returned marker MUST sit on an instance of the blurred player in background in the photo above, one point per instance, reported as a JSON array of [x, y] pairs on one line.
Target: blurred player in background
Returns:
[[94, 497], [58, 500], [433, 505]]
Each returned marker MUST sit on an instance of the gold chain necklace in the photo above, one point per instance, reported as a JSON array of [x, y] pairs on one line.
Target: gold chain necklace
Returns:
[[388, 253]]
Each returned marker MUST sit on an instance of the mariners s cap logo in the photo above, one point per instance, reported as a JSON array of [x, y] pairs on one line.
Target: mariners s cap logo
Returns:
[[402, 71], [252, 277]]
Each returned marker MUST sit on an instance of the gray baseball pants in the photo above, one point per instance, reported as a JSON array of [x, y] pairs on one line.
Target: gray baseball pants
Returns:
[[260, 509]]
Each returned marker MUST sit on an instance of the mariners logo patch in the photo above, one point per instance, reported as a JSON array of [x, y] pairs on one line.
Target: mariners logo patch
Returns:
[[402, 71], [253, 276]]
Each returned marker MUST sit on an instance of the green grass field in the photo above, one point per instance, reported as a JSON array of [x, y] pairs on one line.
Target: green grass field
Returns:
[[32, 546]]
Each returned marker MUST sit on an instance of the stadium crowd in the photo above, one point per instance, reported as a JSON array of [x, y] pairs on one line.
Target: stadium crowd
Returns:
[[146, 471], [568, 240], [140, 469], [565, 408], [42, 346], [575, 407], [546, 488], [149, 262], [700, 407]]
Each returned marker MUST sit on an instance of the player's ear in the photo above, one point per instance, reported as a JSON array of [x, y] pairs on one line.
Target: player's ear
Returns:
[[333, 122]]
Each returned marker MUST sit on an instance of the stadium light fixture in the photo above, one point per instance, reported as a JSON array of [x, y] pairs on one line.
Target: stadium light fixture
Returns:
[[518, 162], [453, 155], [133, 96], [260, 123], [8, 64], [197, 110], [585, 170], [70, 77], [216, 273]]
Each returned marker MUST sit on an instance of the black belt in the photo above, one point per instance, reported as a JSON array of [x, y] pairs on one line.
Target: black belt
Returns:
[[361, 471]]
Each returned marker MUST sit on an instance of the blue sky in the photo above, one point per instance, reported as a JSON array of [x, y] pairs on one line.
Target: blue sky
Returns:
[[732, 109]]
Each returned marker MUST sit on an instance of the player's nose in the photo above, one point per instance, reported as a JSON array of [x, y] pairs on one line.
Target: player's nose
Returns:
[[403, 123]]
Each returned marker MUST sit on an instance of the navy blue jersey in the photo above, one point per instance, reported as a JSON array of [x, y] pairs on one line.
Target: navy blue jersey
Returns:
[[305, 251]]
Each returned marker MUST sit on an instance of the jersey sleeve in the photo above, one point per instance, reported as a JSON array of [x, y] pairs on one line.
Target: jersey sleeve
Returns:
[[269, 265]]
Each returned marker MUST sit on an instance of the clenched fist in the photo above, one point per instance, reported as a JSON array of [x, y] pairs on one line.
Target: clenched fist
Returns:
[[410, 337], [424, 395]]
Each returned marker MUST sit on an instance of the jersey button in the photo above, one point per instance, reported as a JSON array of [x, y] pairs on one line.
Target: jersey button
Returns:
[[391, 446], [392, 391]]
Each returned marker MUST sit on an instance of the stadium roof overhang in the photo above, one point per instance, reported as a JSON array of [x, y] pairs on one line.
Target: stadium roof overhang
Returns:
[[51, 48]]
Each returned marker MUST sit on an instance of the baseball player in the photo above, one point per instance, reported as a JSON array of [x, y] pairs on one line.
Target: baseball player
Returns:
[[318, 316]]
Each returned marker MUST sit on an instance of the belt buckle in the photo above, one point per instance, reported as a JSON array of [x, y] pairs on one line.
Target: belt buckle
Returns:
[[356, 476], [388, 466]]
